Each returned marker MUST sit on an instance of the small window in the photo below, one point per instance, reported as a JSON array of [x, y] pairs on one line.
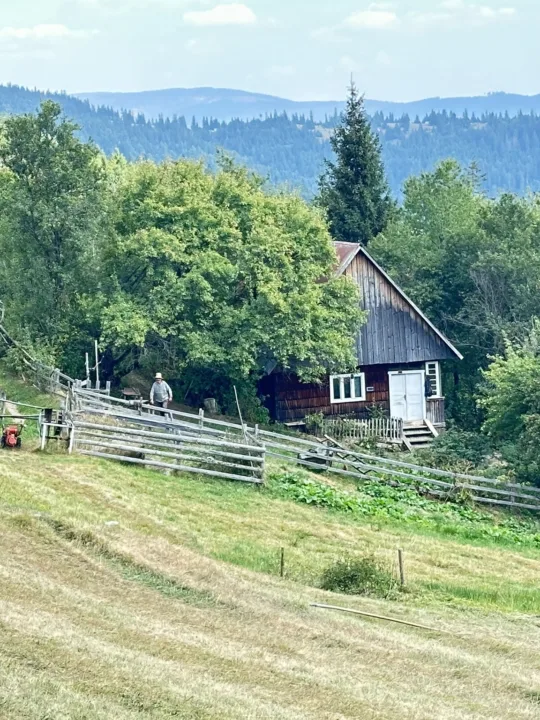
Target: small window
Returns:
[[433, 372], [347, 388]]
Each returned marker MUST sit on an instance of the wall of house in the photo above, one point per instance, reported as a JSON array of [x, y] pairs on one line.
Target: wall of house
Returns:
[[288, 399]]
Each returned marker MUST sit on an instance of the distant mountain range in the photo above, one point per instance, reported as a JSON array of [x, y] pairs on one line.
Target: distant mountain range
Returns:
[[225, 104], [291, 149]]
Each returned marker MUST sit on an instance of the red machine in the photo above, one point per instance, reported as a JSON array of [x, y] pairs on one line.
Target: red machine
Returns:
[[11, 436]]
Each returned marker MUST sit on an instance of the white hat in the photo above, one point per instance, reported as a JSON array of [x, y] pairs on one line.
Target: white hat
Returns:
[[159, 376]]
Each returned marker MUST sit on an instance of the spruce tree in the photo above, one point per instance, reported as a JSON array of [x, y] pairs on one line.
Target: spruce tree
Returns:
[[353, 189]]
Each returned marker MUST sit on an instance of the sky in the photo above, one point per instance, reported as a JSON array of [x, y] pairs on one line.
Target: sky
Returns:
[[300, 49]]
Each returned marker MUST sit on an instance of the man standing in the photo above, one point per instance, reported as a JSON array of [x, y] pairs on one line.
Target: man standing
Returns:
[[160, 394]]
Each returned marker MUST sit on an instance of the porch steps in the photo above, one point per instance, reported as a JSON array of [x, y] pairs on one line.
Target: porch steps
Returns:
[[417, 437]]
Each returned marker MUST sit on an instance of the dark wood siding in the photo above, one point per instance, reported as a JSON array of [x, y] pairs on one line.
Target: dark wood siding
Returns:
[[394, 332], [289, 399]]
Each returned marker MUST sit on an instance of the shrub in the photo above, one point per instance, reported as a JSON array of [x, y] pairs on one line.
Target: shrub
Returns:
[[457, 450], [511, 399], [523, 456], [359, 576], [314, 423]]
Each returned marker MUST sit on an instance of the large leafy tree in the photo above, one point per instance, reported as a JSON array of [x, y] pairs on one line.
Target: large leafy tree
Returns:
[[51, 205], [353, 189], [510, 397], [473, 264], [218, 281]]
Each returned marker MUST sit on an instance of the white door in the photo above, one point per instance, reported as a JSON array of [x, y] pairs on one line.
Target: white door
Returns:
[[407, 399]]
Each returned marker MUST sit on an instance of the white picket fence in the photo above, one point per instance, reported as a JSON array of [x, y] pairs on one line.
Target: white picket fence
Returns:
[[385, 429]]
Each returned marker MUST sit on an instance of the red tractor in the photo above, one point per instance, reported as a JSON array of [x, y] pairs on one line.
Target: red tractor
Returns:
[[11, 436]]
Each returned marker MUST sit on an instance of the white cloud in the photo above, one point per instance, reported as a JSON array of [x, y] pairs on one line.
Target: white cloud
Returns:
[[485, 13], [453, 4], [431, 19], [372, 19], [457, 13], [40, 32], [232, 14]]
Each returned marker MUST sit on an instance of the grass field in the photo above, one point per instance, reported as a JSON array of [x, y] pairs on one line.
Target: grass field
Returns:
[[130, 594]]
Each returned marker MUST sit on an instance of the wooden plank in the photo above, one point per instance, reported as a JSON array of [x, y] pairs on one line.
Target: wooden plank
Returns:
[[442, 473], [208, 460], [518, 506], [169, 466], [155, 421], [430, 427], [497, 491], [146, 433], [172, 444]]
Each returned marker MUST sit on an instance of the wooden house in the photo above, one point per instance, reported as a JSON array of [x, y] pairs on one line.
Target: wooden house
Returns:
[[399, 353]]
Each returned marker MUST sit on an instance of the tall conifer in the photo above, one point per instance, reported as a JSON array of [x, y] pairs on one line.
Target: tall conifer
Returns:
[[353, 189]]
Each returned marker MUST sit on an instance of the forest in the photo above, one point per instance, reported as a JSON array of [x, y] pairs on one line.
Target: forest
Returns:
[[290, 150], [213, 275]]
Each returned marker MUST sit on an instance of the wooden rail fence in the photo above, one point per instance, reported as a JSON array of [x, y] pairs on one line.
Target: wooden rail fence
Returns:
[[168, 448], [323, 454]]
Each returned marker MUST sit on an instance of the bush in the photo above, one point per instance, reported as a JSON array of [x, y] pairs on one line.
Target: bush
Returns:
[[458, 450], [359, 576], [511, 399], [523, 456]]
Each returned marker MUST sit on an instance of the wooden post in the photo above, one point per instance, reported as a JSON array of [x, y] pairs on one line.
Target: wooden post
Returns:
[[282, 563], [401, 568], [88, 381], [201, 421], [97, 364], [71, 440]]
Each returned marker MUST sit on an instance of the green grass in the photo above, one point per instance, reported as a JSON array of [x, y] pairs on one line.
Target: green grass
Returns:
[[506, 598], [126, 593], [403, 506]]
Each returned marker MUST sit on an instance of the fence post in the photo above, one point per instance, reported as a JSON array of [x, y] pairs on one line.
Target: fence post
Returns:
[[401, 563], [201, 421], [71, 439], [97, 364], [282, 563]]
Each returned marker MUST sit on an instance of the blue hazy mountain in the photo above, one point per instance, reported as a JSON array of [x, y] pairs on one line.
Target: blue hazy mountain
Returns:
[[225, 104], [290, 148]]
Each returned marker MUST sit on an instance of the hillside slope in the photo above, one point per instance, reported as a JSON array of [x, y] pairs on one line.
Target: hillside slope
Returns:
[[127, 593]]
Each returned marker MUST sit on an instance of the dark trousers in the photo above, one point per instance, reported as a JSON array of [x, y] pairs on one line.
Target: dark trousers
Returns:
[[163, 405]]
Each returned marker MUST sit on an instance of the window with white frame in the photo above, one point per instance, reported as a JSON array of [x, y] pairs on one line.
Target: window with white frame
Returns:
[[433, 372], [348, 388]]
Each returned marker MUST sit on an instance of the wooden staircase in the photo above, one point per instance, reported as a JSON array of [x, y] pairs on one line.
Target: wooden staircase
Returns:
[[419, 435]]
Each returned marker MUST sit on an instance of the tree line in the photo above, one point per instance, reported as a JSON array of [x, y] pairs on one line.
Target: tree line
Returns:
[[291, 150]]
